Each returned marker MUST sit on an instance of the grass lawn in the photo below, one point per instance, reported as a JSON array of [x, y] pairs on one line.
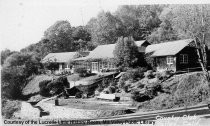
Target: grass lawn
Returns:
[[33, 86]]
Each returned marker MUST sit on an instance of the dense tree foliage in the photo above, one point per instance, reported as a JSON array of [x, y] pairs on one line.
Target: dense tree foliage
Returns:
[[15, 71], [157, 23], [163, 33], [82, 33], [60, 36], [105, 28], [57, 38], [126, 53], [4, 54], [139, 20], [136, 21]]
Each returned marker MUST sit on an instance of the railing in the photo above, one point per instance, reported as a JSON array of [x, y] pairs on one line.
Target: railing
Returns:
[[191, 69]]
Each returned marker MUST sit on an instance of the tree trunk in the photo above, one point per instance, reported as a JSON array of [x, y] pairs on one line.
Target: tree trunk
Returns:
[[201, 52], [203, 61]]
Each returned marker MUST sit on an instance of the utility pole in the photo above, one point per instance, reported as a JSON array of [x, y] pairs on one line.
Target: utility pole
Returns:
[[82, 17]]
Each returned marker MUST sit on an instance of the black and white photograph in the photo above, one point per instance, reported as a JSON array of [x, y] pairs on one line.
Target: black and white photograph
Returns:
[[105, 62]]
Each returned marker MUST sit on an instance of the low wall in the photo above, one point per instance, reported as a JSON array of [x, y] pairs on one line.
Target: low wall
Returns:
[[106, 96]]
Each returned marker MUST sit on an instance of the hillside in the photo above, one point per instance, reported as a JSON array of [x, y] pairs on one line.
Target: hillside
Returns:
[[33, 86], [180, 90]]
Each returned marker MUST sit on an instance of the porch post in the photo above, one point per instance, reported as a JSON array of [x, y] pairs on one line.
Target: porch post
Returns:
[[60, 66]]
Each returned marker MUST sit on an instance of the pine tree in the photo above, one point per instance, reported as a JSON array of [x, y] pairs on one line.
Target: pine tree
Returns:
[[126, 52], [118, 51], [130, 52]]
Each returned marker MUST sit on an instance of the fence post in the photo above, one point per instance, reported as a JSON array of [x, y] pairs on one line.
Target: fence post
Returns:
[[56, 101]]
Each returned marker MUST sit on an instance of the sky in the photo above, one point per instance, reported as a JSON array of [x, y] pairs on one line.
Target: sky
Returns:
[[23, 22]]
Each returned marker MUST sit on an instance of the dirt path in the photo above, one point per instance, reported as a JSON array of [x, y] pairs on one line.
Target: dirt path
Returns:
[[60, 112], [55, 112], [72, 109]]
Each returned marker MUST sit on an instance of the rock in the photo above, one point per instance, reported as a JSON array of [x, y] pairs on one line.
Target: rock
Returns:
[[35, 98]]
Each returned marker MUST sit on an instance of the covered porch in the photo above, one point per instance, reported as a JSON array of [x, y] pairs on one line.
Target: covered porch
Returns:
[[95, 65]]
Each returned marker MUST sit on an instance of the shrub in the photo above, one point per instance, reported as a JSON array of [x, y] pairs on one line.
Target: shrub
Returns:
[[106, 91], [44, 90], [138, 84], [131, 74], [110, 90], [97, 92], [148, 92], [78, 95], [136, 74], [158, 76], [81, 71], [57, 86], [139, 96], [127, 86], [149, 74], [105, 83], [64, 81], [99, 89], [166, 74], [122, 80], [153, 89], [9, 107], [150, 60]]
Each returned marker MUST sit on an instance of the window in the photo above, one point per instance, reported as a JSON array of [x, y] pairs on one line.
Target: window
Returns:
[[100, 65], [170, 60], [104, 64], [94, 66], [112, 65], [86, 65], [183, 58]]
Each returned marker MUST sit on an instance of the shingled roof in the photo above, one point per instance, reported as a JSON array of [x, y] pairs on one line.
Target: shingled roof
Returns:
[[167, 48], [63, 57], [106, 51], [102, 51]]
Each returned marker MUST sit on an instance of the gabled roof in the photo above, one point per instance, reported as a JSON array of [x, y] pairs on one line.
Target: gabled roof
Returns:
[[59, 57], [140, 43], [106, 51], [63, 57], [82, 58], [102, 51], [167, 48]]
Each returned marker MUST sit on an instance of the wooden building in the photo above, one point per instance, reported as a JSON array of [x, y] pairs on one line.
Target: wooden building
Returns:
[[175, 55], [62, 60], [101, 59]]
